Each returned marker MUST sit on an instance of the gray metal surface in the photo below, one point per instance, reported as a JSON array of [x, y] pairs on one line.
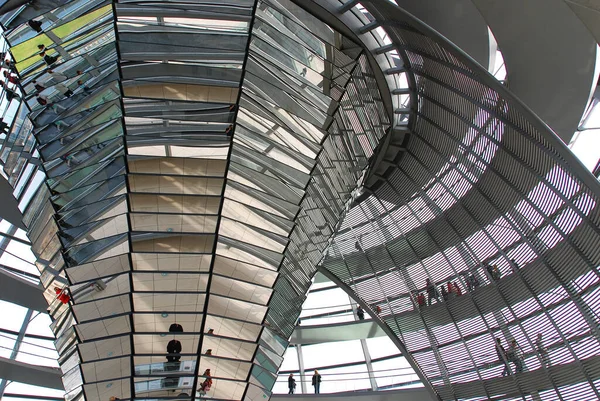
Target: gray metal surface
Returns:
[[551, 70], [16, 290], [30, 374], [588, 11], [459, 21]]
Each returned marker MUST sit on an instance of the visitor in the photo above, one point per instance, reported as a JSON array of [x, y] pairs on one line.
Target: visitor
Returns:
[[84, 87], [496, 273], [421, 300], [490, 270], [207, 383], [56, 76], [62, 295], [35, 25], [175, 328], [13, 79], [173, 351], [38, 87], [10, 94], [542, 351], [378, 310], [291, 383], [432, 292], [64, 89], [316, 382], [472, 282], [451, 292], [501, 352], [513, 354], [456, 289], [360, 313], [49, 60], [444, 292], [4, 126], [6, 63]]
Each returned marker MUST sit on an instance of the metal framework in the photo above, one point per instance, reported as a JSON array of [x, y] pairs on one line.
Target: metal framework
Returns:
[[197, 158], [481, 182]]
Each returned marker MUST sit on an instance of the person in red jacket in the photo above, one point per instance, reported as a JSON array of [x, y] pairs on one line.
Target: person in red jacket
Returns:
[[62, 295], [207, 383], [421, 300], [13, 79], [457, 289]]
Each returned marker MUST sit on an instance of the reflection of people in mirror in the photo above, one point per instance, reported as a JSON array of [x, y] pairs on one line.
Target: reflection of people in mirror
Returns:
[[207, 383], [62, 295]]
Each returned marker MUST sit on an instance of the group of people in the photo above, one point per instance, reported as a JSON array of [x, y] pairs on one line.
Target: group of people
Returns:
[[10, 78], [452, 289], [514, 355], [174, 356], [58, 83], [316, 383], [360, 312], [447, 291]]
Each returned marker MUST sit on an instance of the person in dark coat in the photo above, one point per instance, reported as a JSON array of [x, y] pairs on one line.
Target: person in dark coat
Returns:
[[175, 328], [501, 352], [173, 355], [444, 292], [472, 282], [48, 59], [35, 25], [360, 313], [4, 126], [316, 382], [432, 292], [291, 384]]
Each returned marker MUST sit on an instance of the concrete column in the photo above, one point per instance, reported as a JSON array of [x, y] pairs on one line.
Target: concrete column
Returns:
[[301, 368]]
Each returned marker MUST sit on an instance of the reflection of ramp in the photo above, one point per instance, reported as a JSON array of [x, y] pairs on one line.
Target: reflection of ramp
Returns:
[[523, 383], [356, 330], [412, 394]]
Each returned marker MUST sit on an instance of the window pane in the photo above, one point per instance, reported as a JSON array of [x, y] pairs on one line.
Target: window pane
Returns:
[[319, 355]]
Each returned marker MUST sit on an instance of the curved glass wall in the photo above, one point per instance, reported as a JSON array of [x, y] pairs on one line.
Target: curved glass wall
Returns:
[[193, 163]]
